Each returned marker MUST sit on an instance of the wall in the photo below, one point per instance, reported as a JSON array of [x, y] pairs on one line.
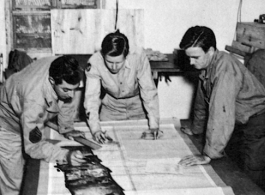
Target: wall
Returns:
[[2, 34], [165, 23]]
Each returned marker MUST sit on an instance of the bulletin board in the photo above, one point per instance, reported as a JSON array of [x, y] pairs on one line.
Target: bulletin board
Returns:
[[32, 31], [82, 31]]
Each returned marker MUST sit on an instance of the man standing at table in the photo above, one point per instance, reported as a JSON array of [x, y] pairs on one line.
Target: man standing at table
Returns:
[[229, 106], [30, 98], [126, 78]]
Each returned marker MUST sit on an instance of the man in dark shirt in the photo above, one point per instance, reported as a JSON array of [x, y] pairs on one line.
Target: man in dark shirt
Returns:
[[229, 106]]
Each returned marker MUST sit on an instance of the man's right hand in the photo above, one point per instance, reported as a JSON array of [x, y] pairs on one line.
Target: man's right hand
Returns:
[[101, 137], [186, 130]]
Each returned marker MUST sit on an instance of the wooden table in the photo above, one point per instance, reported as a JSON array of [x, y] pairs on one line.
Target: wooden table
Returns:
[[135, 171]]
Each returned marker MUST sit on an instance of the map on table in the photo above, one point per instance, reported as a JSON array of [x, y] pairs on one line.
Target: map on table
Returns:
[[146, 167]]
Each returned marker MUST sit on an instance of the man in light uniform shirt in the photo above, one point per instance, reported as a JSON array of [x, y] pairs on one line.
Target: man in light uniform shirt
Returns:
[[126, 78], [28, 100]]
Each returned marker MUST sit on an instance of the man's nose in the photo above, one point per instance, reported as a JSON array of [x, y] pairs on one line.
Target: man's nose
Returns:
[[71, 94], [192, 61], [114, 66]]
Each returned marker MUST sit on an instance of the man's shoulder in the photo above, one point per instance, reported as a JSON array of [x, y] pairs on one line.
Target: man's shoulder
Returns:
[[137, 55], [137, 51], [95, 57], [227, 63], [227, 59]]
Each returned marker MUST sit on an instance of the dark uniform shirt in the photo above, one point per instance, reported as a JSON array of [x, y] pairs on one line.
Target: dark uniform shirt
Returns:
[[228, 93]]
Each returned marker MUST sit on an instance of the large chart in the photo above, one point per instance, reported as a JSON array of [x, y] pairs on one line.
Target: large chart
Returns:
[[143, 167]]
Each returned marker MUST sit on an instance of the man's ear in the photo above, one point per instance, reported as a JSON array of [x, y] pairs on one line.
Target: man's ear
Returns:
[[211, 51], [51, 81]]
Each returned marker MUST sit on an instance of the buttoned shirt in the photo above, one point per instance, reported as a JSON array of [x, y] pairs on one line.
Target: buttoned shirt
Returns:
[[227, 93], [27, 102], [133, 79]]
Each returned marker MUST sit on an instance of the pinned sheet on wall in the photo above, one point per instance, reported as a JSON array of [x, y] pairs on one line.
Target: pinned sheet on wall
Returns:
[[82, 31]]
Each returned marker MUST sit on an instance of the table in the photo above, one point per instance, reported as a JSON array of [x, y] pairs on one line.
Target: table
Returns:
[[133, 167], [166, 68]]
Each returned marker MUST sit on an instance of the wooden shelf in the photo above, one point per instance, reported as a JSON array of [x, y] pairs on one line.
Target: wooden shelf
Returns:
[[32, 21], [236, 51]]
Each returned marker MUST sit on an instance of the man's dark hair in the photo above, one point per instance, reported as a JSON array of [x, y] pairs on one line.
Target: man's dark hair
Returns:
[[65, 68], [198, 36], [115, 44]]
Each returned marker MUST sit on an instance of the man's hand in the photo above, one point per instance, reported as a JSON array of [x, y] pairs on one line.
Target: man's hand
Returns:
[[75, 133], [156, 132], [101, 137], [152, 134], [194, 160], [75, 158], [186, 130]]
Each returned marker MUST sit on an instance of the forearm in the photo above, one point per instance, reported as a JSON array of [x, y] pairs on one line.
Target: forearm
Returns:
[[46, 151], [94, 126], [52, 125], [153, 122]]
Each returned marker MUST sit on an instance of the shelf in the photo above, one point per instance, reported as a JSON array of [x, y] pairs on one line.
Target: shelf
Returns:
[[32, 20], [236, 51]]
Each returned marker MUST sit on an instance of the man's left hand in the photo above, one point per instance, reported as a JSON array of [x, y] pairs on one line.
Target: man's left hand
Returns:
[[152, 133], [194, 160]]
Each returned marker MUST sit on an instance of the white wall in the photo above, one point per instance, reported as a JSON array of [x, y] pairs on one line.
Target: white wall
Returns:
[[2, 34]]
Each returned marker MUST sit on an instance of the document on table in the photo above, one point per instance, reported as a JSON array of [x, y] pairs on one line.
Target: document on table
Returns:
[[166, 166], [143, 167]]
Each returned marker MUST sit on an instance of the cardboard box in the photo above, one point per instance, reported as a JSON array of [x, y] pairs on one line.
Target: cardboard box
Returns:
[[251, 34]]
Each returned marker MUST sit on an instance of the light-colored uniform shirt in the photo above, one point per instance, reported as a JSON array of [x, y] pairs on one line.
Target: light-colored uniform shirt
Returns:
[[122, 89], [28, 101], [227, 93]]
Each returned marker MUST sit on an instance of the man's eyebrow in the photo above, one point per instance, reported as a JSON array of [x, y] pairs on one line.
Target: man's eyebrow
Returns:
[[112, 62], [108, 61]]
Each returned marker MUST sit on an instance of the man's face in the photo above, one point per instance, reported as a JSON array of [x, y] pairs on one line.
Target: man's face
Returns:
[[198, 58], [65, 91], [114, 64]]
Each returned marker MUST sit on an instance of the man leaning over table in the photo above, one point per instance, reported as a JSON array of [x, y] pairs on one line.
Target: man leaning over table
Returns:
[[40, 92], [229, 106], [126, 78]]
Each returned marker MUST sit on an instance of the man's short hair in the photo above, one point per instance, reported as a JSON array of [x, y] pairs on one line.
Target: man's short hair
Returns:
[[115, 44], [198, 36], [65, 68]]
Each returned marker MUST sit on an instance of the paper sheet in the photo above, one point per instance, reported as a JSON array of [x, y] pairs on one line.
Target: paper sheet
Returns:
[[164, 166], [143, 167]]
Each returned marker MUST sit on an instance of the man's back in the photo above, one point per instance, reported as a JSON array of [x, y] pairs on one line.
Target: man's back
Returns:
[[26, 85]]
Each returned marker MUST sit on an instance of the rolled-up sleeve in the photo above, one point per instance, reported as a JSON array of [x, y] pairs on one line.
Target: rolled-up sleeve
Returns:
[[221, 119], [92, 98], [148, 91], [36, 146]]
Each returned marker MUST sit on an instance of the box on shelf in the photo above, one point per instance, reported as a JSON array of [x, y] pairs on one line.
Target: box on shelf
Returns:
[[251, 34]]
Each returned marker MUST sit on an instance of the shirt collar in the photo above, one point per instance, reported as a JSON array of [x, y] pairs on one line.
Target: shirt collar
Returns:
[[50, 97], [126, 65], [205, 74]]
